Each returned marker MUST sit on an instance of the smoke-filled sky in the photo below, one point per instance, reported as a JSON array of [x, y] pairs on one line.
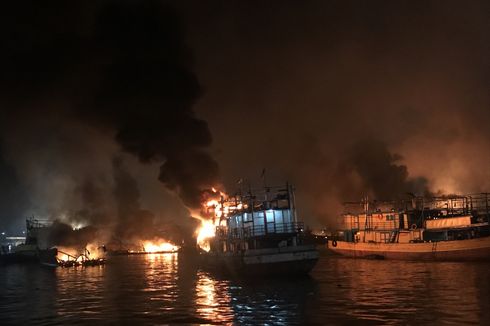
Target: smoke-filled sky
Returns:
[[117, 112]]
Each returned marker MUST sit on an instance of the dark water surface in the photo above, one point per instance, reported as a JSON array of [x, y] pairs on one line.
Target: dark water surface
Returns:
[[163, 289]]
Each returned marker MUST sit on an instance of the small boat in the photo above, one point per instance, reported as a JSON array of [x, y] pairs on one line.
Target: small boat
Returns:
[[452, 228], [258, 233]]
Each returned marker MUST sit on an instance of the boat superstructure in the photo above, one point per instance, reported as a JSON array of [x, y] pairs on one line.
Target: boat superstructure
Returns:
[[418, 228], [259, 233]]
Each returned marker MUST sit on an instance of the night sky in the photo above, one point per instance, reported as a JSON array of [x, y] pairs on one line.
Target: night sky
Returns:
[[113, 113]]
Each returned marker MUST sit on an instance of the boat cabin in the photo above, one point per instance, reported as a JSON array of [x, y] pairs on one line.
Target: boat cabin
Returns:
[[416, 219], [258, 219]]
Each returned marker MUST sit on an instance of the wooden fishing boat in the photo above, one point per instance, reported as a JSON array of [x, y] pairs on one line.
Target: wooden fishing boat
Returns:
[[452, 228]]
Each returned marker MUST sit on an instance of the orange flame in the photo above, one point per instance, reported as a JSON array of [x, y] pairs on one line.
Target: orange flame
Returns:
[[90, 251], [205, 232], [212, 212], [159, 246]]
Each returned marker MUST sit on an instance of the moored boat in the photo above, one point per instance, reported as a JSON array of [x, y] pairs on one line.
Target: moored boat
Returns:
[[453, 228], [35, 249], [260, 235]]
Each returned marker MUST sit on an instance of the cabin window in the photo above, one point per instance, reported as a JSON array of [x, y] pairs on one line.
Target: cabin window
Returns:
[[278, 216], [247, 217], [390, 217], [270, 216], [286, 216]]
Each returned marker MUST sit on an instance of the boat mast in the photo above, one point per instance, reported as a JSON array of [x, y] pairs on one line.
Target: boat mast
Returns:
[[292, 202], [366, 210]]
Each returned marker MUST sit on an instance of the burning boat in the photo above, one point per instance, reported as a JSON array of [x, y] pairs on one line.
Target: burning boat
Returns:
[[257, 232], [35, 249], [38, 248], [452, 228], [70, 257], [146, 247]]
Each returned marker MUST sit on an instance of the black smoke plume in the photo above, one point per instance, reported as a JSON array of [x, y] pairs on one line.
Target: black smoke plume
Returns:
[[379, 172], [61, 234], [307, 80], [79, 76], [146, 92], [133, 221]]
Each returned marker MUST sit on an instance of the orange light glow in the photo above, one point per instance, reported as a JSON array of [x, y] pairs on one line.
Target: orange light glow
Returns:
[[90, 251], [214, 210], [206, 231], [159, 246], [209, 216], [212, 299]]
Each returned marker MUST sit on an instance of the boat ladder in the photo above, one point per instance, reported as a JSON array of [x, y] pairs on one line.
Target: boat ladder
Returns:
[[434, 247], [394, 235]]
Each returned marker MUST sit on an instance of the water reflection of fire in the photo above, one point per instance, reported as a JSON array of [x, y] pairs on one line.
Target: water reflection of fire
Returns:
[[213, 299]]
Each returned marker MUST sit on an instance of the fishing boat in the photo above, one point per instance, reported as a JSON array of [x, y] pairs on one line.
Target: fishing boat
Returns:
[[35, 249], [449, 228], [258, 233]]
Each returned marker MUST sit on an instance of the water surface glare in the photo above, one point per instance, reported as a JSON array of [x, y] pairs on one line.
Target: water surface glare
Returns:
[[163, 289]]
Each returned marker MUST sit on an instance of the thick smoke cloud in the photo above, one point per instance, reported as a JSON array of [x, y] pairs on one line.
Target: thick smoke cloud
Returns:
[[305, 81], [61, 234], [341, 98], [146, 93], [82, 81], [133, 220], [379, 172]]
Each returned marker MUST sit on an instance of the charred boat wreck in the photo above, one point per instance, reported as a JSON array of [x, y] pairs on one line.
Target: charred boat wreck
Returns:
[[260, 235]]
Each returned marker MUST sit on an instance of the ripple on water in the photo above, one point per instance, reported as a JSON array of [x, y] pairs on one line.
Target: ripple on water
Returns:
[[159, 289]]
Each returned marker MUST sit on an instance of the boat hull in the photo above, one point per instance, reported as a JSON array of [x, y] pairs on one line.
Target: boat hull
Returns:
[[458, 250], [46, 257], [298, 260]]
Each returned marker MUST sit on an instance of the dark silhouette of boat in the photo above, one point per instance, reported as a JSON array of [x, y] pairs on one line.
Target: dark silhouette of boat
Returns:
[[34, 250]]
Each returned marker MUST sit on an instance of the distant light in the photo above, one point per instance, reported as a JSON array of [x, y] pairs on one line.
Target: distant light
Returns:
[[3, 233]]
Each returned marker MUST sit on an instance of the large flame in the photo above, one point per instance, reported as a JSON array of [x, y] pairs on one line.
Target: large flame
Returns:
[[211, 215], [90, 251], [159, 246], [205, 232]]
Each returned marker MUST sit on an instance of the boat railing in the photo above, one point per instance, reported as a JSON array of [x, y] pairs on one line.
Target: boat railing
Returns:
[[373, 226], [259, 230]]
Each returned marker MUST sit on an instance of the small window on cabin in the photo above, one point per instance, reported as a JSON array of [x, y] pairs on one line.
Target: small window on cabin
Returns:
[[247, 217], [270, 216], [278, 216]]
